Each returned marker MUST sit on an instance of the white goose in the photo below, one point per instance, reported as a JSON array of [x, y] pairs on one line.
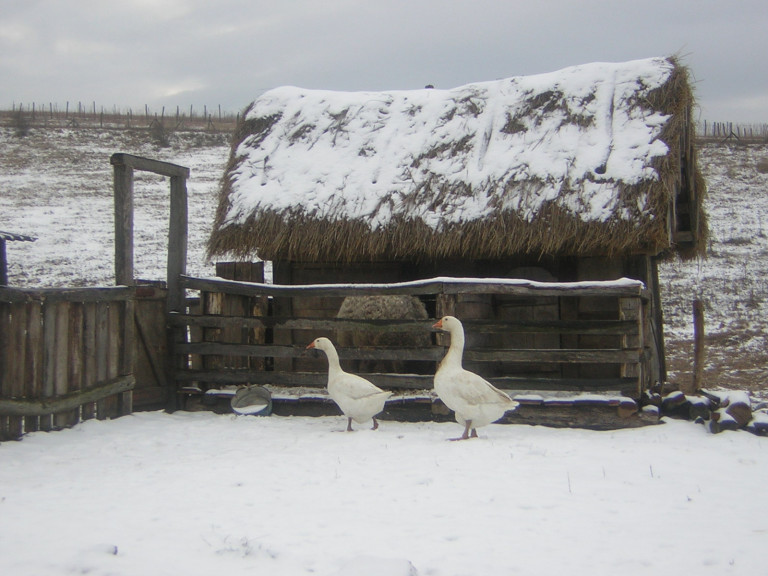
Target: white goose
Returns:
[[475, 401], [357, 398]]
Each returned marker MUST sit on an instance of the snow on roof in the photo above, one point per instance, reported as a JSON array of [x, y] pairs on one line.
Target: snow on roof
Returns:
[[343, 155], [576, 139]]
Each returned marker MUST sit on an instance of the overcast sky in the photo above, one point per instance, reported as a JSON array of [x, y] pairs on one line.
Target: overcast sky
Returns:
[[129, 53]]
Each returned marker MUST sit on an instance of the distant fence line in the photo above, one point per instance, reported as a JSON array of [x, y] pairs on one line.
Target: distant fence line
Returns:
[[732, 130], [91, 115]]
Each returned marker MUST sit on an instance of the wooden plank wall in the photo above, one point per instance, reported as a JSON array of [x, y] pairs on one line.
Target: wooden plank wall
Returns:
[[63, 357], [555, 352]]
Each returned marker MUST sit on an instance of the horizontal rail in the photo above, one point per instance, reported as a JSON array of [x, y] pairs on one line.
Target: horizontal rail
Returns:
[[439, 285], [554, 355], [592, 327], [96, 294], [55, 404], [395, 381]]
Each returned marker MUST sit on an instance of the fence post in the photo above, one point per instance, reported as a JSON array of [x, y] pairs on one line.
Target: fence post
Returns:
[[631, 309], [123, 186], [177, 244], [698, 344]]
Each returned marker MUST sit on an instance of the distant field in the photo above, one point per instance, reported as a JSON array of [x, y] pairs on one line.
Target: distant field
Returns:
[[56, 184]]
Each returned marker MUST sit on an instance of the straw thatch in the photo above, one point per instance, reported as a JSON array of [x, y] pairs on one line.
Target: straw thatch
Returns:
[[417, 215]]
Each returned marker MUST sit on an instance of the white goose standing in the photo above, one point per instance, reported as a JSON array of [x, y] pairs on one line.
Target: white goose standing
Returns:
[[357, 398], [475, 401]]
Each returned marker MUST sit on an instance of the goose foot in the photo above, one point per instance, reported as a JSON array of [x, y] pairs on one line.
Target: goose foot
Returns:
[[375, 425], [467, 435], [349, 425]]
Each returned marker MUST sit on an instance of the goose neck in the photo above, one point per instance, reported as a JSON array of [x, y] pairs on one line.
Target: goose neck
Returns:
[[456, 347], [333, 359]]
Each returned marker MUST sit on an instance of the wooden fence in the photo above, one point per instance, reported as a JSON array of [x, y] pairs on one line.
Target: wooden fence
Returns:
[[89, 115], [597, 340], [66, 355], [733, 131]]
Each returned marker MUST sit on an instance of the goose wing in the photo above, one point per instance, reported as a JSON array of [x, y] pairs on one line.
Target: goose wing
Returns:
[[475, 390], [356, 387]]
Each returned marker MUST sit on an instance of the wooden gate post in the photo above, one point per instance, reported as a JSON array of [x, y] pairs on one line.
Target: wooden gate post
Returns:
[[123, 186], [177, 242], [124, 165]]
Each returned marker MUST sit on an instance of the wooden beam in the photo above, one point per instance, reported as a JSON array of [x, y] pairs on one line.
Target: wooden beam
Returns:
[[599, 327], [423, 287], [177, 244], [98, 294], [149, 165], [71, 401], [400, 381], [436, 353], [123, 193]]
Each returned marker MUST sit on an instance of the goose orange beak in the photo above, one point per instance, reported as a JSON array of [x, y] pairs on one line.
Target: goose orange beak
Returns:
[[310, 345], [438, 324]]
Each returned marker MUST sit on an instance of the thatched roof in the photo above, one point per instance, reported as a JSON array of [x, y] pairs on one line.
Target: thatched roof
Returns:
[[584, 161]]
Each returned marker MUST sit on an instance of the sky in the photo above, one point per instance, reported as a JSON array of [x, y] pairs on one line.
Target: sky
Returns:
[[197, 53]]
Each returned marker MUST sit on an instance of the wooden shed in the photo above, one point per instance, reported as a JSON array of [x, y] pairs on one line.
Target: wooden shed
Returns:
[[581, 175]]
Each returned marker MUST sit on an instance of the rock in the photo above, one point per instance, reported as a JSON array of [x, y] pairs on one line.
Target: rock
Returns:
[[627, 407], [759, 424], [675, 404], [698, 407], [651, 399], [650, 411], [722, 421], [713, 398], [740, 412]]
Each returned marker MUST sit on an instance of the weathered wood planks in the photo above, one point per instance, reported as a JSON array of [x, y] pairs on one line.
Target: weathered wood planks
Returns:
[[65, 356], [614, 336]]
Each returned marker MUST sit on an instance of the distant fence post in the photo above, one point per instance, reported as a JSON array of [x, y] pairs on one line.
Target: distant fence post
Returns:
[[3, 264], [698, 344]]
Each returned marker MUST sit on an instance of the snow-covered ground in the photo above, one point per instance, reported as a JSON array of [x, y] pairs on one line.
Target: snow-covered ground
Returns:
[[201, 494]]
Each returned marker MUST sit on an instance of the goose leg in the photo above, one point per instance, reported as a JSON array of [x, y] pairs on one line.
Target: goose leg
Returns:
[[349, 424], [375, 424], [465, 436]]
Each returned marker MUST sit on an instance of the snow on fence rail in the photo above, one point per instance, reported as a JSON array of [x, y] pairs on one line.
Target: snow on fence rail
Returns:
[[63, 357]]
